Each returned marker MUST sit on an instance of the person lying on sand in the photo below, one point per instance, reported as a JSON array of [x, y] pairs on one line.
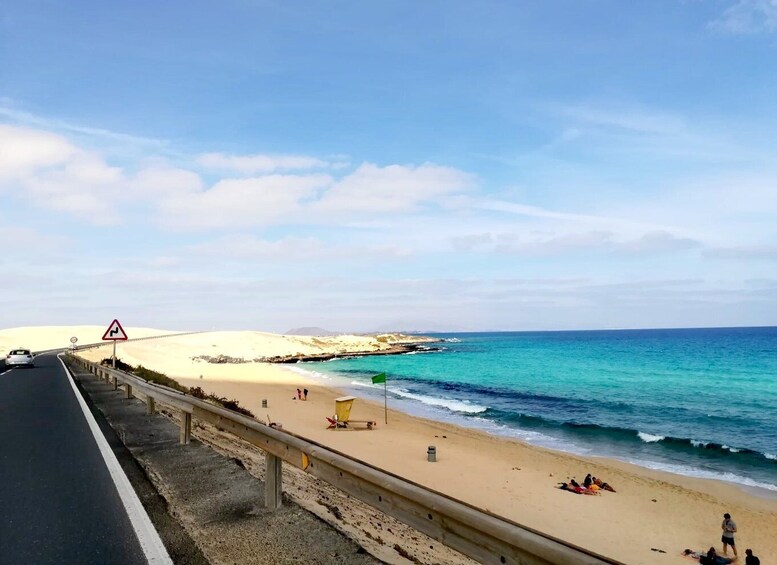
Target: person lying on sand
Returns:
[[710, 557], [602, 485], [576, 489]]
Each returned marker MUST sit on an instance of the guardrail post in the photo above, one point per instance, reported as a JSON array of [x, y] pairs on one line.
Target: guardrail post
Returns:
[[150, 405], [186, 428], [273, 481], [129, 390], [115, 382]]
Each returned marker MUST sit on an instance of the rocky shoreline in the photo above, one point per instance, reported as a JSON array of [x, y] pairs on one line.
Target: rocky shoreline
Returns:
[[396, 349], [399, 349]]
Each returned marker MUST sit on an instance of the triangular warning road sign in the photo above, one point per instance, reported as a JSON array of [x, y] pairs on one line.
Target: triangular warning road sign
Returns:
[[115, 332]]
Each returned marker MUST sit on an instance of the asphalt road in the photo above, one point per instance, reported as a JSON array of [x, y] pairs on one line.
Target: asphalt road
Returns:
[[58, 503]]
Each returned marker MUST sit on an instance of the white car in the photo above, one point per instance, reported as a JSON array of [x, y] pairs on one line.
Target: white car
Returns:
[[19, 357]]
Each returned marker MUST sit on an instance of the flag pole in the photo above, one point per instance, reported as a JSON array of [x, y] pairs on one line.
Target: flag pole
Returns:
[[385, 400]]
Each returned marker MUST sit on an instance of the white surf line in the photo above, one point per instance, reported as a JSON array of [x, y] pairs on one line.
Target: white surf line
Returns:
[[149, 539]]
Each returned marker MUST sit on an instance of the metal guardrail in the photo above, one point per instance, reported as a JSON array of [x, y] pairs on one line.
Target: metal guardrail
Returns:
[[476, 533], [106, 343]]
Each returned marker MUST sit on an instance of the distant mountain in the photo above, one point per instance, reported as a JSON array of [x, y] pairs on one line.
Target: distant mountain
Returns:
[[311, 331]]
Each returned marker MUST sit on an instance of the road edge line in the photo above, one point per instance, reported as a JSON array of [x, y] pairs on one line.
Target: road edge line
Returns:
[[153, 548]]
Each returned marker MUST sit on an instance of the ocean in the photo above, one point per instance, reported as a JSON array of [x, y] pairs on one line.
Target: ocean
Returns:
[[697, 402]]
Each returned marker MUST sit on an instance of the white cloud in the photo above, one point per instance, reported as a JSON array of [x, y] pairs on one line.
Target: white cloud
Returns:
[[50, 172], [23, 150], [744, 252], [632, 131], [656, 242], [235, 203], [243, 247], [307, 199], [748, 16], [85, 186], [54, 173], [594, 222], [28, 119], [252, 164], [393, 189], [23, 242], [719, 210], [554, 245], [637, 121], [164, 181], [593, 241]]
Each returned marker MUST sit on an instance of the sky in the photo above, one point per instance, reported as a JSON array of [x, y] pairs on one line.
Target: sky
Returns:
[[373, 166]]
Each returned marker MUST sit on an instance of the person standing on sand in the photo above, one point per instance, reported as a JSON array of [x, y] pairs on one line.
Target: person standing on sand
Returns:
[[729, 529], [304, 394], [299, 394]]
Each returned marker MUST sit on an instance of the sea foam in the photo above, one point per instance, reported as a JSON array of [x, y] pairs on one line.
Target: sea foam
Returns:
[[449, 403], [703, 474], [307, 372]]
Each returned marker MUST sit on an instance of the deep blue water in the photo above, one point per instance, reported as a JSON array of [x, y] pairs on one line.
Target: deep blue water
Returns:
[[700, 402]]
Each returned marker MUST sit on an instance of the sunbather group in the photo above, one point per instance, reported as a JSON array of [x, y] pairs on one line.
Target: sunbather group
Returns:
[[591, 485]]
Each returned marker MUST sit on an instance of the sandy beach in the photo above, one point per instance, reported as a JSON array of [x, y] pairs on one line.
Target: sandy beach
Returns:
[[650, 511]]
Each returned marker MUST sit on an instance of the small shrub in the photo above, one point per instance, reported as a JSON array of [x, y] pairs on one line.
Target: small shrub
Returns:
[[234, 406], [121, 365], [162, 379], [158, 378]]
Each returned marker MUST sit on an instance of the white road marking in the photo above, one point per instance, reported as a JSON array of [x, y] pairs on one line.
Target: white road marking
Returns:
[[149, 539], [8, 371]]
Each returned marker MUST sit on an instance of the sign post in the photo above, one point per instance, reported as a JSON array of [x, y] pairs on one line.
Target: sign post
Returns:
[[115, 333], [73, 340]]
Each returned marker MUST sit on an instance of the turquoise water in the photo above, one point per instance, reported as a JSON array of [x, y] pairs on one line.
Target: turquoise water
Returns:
[[699, 402]]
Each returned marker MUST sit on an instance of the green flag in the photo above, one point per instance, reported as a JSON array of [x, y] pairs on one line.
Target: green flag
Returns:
[[377, 379]]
